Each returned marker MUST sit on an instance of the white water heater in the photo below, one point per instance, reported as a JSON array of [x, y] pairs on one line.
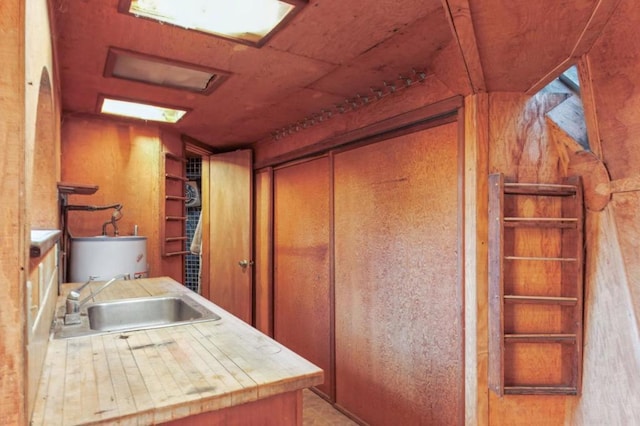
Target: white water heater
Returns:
[[101, 258]]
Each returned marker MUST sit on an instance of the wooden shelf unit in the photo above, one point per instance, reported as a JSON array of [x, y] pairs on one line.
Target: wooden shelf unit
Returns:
[[174, 214], [535, 287]]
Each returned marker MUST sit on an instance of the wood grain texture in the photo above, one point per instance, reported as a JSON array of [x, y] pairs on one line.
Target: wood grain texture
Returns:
[[417, 97], [459, 14], [302, 284], [280, 410], [159, 375], [522, 149], [14, 228], [476, 128], [514, 40], [614, 63], [609, 392], [263, 280], [124, 161], [231, 232], [398, 309]]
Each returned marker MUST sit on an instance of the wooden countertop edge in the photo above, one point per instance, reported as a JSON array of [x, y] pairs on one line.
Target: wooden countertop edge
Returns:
[[193, 404]]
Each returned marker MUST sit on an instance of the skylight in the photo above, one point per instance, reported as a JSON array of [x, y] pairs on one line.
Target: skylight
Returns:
[[141, 111], [249, 21]]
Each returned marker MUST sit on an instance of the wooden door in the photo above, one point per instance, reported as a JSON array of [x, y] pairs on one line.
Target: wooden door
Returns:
[[230, 229], [398, 312], [302, 256]]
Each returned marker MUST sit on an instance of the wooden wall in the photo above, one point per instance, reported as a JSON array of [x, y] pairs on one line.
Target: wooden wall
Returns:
[[612, 310], [521, 148], [125, 161], [14, 250], [30, 143], [398, 299], [614, 65], [302, 302]]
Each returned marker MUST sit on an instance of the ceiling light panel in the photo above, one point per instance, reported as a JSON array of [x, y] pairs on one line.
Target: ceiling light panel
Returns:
[[247, 21], [140, 110], [162, 72]]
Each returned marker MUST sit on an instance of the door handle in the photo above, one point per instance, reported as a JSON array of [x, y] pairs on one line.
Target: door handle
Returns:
[[244, 263]]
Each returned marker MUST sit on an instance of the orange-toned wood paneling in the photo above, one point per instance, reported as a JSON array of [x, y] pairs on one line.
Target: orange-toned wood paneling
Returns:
[[14, 229], [614, 63], [263, 269], [398, 326], [521, 147], [302, 292], [280, 410], [124, 160]]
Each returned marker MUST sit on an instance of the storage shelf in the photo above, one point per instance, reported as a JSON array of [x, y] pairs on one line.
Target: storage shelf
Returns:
[[542, 189], [541, 222], [543, 300], [543, 259], [177, 253], [175, 212], [540, 390], [172, 239], [552, 235], [540, 338], [175, 177]]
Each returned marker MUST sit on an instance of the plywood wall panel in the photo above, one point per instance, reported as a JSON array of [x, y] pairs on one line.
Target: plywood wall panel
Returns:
[[302, 281], [398, 305], [521, 147], [124, 161], [612, 344], [614, 65], [14, 227]]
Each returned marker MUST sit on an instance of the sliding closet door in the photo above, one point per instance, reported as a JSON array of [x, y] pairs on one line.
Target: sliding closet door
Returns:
[[398, 297], [302, 299]]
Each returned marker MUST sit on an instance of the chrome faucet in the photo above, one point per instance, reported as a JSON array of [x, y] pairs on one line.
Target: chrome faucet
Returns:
[[74, 304]]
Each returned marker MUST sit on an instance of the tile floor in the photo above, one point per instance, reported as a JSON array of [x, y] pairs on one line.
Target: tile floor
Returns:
[[318, 412]]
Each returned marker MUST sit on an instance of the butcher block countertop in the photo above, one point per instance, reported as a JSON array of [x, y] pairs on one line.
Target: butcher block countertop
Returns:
[[163, 374]]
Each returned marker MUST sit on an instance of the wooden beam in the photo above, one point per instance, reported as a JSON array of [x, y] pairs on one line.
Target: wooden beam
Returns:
[[459, 15]]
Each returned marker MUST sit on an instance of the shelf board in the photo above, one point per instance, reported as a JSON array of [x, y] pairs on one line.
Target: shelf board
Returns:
[[542, 189], [540, 390], [170, 156], [76, 188], [176, 253], [547, 259], [541, 222], [544, 300], [171, 239], [175, 198], [540, 338], [175, 177]]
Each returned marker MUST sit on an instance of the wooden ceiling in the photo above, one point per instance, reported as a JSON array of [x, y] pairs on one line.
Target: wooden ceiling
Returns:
[[333, 50]]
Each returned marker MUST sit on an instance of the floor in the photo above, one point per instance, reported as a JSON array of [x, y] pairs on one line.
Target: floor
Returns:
[[318, 412]]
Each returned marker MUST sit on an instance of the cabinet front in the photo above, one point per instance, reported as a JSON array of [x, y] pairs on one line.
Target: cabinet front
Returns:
[[302, 299]]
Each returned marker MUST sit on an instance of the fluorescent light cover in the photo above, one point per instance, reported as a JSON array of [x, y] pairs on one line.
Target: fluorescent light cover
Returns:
[[142, 111], [162, 71], [245, 19]]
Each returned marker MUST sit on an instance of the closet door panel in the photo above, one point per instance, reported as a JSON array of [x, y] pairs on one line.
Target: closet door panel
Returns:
[[398, 297], [302, 300]]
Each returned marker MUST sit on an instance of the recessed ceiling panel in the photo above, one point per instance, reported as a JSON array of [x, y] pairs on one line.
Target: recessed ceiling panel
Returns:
[[162, 72]]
